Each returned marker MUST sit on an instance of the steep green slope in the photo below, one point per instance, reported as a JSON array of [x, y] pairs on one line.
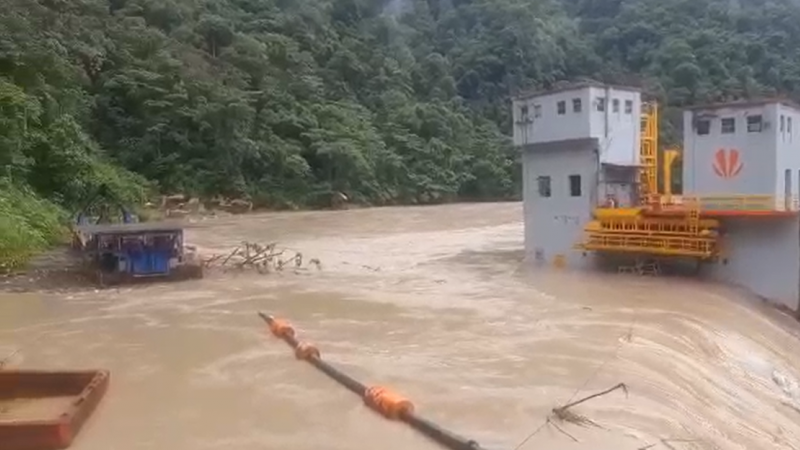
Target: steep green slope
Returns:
[[388, 101]]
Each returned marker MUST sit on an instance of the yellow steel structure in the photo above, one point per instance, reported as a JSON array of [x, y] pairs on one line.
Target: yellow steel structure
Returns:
[[648, 151], [663, 224], [670, 156], [693, 247], [617, 213], [728, 204], [694, 218], [640, 229], [652, 226]]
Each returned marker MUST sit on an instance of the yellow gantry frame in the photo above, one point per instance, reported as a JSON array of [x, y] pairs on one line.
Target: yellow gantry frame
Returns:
[[630, 230], [648, 152]]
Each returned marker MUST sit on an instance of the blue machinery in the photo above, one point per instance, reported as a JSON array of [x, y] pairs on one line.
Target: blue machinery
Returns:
[[135, 250], [113, 243]]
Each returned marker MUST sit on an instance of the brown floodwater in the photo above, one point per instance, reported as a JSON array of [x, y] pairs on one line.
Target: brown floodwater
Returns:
[[436, 303]]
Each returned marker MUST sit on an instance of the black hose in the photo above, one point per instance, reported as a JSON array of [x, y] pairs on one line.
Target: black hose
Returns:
[[343, 379], [440, 435], [424, 426], [351, 384]]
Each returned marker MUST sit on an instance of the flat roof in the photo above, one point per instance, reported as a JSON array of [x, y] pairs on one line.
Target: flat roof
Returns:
[[621, 166], [745, 103], [127, 228], [573, 86]]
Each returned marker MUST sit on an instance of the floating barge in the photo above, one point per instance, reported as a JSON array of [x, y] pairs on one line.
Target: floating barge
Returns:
[[126, 252], [42, 410]]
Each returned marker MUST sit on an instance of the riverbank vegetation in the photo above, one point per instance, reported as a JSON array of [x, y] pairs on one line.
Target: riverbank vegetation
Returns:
[[285, 102]]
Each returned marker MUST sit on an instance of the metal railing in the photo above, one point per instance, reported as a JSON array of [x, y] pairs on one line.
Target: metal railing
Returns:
[[702, 247], [728, 202]]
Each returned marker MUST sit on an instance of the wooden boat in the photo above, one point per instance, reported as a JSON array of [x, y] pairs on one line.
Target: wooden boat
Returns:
[[42, 410]]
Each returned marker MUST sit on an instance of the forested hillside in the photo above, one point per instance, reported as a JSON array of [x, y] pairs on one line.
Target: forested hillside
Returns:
[[286, 101]]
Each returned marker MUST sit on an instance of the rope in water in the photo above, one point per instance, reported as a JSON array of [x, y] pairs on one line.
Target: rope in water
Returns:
[[380, 399]]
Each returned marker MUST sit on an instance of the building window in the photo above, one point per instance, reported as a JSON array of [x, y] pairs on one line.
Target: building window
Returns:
[[789, 126], [544, 186], [576, 105], [523, 114], [562, 107], [703, 127], [628, 106], [537, 110], [615, 105], [728, 125], [575, 185], [754, 124], [601, 104], [783, 123]]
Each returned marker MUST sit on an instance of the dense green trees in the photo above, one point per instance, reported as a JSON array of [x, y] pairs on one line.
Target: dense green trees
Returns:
[[388, 101]]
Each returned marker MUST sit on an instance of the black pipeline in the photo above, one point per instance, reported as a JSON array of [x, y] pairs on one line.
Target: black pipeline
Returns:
[[385, 402]]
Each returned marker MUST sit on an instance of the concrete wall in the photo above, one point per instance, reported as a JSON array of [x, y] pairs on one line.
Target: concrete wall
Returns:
[[788, 153], [763, 256], [753, 172], [618, 130], [616, 124], [545, 124], [553, 225]]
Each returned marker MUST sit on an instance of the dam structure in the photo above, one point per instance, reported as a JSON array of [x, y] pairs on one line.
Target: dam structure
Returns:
[[598, 187]]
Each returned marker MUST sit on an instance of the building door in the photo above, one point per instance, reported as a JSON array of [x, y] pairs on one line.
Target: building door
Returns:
[[787, 189]]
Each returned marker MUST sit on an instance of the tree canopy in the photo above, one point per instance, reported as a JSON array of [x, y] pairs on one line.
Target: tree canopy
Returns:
[[388, 101]]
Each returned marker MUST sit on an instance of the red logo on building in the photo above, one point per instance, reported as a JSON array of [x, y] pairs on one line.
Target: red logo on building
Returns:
[[727, 163]]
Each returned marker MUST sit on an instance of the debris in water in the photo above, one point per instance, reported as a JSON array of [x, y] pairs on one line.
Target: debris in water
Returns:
[[565, 415], [263, 258], [667, 443], [7, 359], [788, 385]]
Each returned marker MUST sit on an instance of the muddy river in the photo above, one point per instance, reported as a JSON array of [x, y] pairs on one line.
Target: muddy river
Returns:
[[436, 303]]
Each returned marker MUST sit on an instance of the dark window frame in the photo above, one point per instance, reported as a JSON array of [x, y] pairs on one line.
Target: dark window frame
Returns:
[[561, 107], [703, 127], [575, 186], [727, 121], [544, 186], [755, 123], [601, 104]]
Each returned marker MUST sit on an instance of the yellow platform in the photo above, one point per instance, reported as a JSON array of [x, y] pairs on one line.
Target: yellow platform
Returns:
[[659, 224], [694, 247], [616, 213], [649, 226]]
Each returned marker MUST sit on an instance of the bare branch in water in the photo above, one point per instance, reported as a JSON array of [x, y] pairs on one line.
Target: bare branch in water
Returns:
[[564, 414], [262, 258], [561, 430]]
